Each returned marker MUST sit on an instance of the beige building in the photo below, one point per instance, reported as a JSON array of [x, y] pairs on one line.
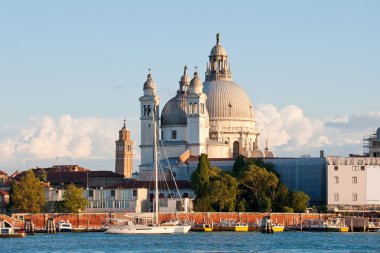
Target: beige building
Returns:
[[111, 200], [124, 153], [353, 183]]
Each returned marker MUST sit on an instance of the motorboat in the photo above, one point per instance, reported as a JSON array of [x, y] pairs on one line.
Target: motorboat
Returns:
[[277, 227], [64, 226], [232, 225], [8, 232], [202, 227]]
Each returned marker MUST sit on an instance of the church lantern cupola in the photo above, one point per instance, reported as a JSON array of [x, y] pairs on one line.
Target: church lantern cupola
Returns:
[[196, 85], [184, 82], [218, 67], [149, 86]]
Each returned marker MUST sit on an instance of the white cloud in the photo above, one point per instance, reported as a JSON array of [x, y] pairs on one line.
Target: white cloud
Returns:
[[291, 133], [45, 138], [91, 140]]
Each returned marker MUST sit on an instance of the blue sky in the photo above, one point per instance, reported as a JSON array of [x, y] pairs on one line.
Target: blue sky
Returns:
[[86, 62]]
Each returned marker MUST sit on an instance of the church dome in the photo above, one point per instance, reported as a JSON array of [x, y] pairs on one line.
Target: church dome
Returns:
[[218, 50], [174, 112], [226, 100], [149, 84], [196, 84]]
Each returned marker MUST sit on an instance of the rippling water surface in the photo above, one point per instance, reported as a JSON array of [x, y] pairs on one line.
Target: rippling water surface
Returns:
[[196, 242]]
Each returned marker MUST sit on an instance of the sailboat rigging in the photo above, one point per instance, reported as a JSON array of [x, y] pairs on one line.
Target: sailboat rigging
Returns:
[[157, 228]]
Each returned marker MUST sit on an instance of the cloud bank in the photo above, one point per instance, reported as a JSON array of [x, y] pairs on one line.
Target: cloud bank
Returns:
[[292, 133], [73, 140]]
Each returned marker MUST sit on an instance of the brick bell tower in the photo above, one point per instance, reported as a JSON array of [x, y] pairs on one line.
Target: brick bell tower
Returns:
[[124, 153]]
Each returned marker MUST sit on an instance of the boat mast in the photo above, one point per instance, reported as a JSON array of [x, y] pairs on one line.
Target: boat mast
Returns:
[[155, 164]]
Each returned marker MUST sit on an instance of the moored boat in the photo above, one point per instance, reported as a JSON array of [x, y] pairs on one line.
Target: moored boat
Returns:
[[64, 226], [9, 232], [202, 227], [232, 225], [277, 228]]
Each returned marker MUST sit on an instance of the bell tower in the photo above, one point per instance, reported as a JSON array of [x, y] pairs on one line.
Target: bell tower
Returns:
[[124, 153], [197, 117], [149, 107]]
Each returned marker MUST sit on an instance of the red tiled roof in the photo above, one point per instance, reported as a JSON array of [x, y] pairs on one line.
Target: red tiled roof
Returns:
[[3, 173], [134, 184], [195, 158]]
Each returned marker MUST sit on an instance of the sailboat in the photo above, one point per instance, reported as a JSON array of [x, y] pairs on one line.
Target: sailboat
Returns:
[[156, 228]]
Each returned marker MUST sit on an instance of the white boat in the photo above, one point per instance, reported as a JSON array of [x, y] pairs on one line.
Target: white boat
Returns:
[[166, 228], [9, 232], [64, 226]]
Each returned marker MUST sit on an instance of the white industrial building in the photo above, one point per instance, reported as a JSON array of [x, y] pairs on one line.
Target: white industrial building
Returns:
[[353, 183]]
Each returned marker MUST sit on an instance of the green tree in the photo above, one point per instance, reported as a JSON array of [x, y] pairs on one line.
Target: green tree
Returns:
[[223, 190], [28, 194], [239, 166], [200, 179], [300, 201], [282, 198], [73, 199]]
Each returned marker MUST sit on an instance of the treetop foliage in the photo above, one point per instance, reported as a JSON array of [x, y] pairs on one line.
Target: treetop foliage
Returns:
[[253, 185], [28, 195]]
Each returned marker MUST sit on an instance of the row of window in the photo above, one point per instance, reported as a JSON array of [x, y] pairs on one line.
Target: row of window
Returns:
[[354, 197], [107, 194], [193, 108], [354, 168], [108, 204], [354, 180], [121, 148]]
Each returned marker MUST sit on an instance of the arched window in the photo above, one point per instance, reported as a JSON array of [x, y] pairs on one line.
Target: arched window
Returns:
[[190, 108], [170, 195], [195, 108], [161, 195], [235, 150], [185, 195]]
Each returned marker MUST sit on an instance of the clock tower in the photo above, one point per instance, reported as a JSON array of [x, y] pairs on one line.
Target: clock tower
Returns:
[[124, 153]]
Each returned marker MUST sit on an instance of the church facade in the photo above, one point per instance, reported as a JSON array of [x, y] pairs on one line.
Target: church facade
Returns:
[[215, 117]]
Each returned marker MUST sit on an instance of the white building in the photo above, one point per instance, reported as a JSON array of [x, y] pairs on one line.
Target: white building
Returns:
[[138, 196], [215, 117], [353, 182]]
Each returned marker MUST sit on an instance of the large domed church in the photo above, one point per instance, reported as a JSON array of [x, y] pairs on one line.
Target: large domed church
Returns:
[[215, 117]]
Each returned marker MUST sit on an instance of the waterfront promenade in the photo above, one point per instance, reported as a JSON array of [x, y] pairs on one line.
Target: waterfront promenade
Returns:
[[96, 221]]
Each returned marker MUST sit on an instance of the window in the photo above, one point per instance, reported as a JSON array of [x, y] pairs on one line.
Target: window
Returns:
[[190, 108], [196, 108], [336, 196], [336, 167], [354, 197], [235, 149], [354, 180], [355, 168], [202, 108], [91, 193], [336, 180], [174, 134], [112, 193], [362, 167], [134, 194]]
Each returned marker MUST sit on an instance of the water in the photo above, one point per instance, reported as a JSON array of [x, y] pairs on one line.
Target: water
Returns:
[[196, 242]]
